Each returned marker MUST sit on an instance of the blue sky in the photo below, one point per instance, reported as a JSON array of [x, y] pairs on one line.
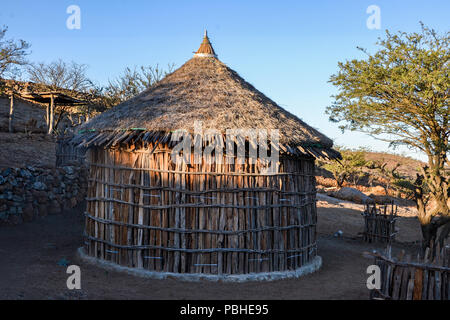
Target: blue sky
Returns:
[[287, 49]]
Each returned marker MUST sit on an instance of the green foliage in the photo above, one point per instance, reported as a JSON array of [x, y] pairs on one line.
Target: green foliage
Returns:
[[404, 185], [400, 94], [350, 168]]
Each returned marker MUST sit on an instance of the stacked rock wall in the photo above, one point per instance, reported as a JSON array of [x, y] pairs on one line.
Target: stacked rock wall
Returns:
[[29, 193]]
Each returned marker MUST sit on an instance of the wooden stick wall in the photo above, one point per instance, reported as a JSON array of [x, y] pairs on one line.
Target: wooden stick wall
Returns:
[[145, 211]]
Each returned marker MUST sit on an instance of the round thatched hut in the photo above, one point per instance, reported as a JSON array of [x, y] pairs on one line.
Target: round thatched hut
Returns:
[[212, 219]]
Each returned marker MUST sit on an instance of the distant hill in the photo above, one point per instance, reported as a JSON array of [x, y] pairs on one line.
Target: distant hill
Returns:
[[408, 166], [374, 183]]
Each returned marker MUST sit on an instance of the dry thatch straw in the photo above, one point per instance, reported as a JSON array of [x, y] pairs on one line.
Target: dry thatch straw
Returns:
[[205, 89]]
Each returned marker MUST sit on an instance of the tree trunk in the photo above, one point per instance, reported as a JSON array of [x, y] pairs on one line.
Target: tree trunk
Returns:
[[11, 114], [431, 221], [429, 234], [444, 233], [340, 179]]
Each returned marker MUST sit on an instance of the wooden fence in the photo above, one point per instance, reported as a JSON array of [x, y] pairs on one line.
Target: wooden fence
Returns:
[[69, 153], [379, 223], [427, 278]]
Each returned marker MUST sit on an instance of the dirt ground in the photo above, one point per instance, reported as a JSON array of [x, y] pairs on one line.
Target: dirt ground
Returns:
[[31, 254]]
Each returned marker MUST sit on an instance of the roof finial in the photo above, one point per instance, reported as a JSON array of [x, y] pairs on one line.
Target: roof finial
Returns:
[[206, 49]]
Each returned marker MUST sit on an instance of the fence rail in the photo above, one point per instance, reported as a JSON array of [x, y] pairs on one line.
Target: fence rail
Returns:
[[427, 278]]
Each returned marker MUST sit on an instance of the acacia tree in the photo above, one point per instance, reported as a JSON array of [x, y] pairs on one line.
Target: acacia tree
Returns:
[[350, 167], [400, 94]]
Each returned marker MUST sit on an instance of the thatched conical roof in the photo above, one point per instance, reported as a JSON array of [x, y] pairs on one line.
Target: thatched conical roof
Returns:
[[206, 49], [205, 89]]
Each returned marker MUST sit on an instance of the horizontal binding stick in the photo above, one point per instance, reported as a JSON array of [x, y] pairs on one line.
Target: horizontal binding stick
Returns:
[[180, 230], [202, 173], [206, 250], [200, 204], [230, 190]]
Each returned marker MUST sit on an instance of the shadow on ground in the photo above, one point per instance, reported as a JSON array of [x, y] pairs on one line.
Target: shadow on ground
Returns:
[[33, 255]]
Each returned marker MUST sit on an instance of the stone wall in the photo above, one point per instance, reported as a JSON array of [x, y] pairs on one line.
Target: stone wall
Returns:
[[29, 193]]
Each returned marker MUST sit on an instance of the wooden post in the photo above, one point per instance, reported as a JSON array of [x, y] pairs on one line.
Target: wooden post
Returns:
[[47, 116], [11, 113], [50, 116]]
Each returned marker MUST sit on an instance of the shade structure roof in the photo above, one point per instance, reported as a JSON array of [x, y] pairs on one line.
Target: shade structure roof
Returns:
[[41, 93], [45, 97], [207, 90]]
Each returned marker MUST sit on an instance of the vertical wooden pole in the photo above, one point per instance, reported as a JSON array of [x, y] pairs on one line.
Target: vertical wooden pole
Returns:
[[51, 115], [11, 113], [88, 112], [47, 116], [140, 262]]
